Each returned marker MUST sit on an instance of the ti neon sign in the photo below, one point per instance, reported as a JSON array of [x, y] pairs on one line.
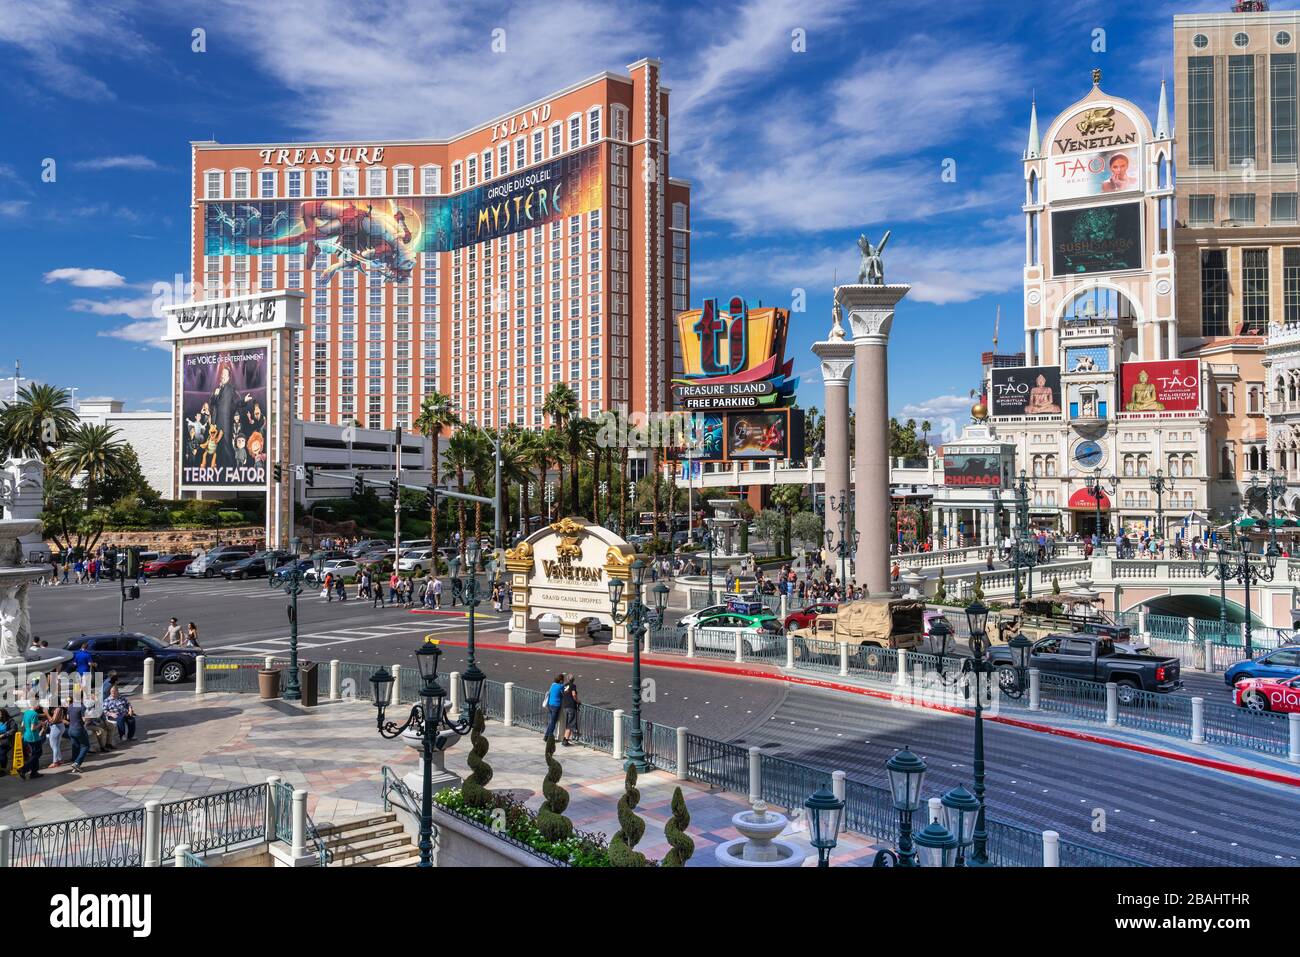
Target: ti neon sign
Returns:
[[724, 346]]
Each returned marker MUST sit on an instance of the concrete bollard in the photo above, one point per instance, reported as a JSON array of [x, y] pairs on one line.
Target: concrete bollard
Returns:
[[789, 653], [785, 606], [844, 660], [1142, 624], [272, 783], [508, 711], [683, 761], [147, 688], [755, 775], [299, 845], [178, 856], [200, 675], [6, 845], [739, 644], [618, 732], [936, 809], [397, 687], [1112, 704], [268, 663], [1198, 721], [1035, 689], [153, 834], [901, 680], [1293, 730], [335, 684], [454, 680], [1051, 849], [837, 785], [690, 642], [1209, 655]]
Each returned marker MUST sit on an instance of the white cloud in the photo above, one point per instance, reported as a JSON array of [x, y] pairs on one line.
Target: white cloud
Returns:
[[940, 406], [86, 278], [55, 37], [149, 332], [13, 208], [141, 307], [132, 162]]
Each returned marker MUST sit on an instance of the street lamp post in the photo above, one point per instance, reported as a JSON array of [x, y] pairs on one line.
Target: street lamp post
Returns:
[[906, 776], [631, 505], [1237, 565], [1160, 485], [290, 580], [709, 537], [981, 669], [469, 594], [1095, 489], [426, 718], [1276, 488], [637, 616]]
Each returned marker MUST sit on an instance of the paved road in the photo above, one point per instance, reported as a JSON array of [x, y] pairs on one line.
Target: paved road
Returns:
[[1155, 810]]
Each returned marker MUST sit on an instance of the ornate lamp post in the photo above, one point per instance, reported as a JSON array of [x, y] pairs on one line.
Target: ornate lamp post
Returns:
[[709, 537], [550, 501], [631, 514], [1237, 565], [838, 543], [1024, 553], [981, 670], [637, 616], [426, 718], [469, 594], [1160, 485], [290, 579], [1276, 488], [961, 811], [906, 775], [825, 817], [1096, 489]]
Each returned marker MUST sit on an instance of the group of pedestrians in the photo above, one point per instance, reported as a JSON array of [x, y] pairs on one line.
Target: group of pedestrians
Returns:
[[562, 698], [72, 715]]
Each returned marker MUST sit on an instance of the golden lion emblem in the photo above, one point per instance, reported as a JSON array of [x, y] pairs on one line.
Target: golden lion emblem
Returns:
[[1098, 120], [520, 553]]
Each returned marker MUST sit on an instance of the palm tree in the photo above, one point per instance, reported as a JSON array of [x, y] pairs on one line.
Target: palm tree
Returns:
[[787, 498], [36, 422], [562, 405], [516, 466], [461, 451], [483, 469], [92, 451], [925, 429], [436, 413], [556, 449], [579, 439]]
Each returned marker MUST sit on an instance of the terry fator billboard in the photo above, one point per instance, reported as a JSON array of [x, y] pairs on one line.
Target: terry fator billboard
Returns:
[[225, 413]]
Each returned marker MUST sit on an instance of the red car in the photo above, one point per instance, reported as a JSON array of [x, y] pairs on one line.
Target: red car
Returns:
[[165, 565], [804, 618], [1268, 694]]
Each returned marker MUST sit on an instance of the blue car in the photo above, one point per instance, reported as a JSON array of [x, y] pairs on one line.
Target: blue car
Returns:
[[301, 565], [1283, 662], [125, 653]]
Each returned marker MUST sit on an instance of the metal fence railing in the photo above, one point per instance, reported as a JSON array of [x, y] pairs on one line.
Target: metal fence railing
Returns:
[[102, 840], [231, 674], [214, 820]]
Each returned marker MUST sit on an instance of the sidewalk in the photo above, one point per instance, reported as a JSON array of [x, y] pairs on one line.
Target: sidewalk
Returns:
[[187, 747]]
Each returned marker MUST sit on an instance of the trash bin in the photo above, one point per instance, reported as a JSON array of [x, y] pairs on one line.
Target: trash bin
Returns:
[[309, 682], [268, 683]]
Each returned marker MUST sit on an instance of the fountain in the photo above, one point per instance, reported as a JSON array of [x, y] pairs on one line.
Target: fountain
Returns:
[[728, 563], [758, 845]]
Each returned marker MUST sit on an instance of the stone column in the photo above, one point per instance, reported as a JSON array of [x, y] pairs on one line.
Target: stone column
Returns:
[[870, 311], [836, 354]]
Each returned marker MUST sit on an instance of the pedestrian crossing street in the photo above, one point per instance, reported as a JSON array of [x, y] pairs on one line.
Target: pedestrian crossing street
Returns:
[[409, 625]]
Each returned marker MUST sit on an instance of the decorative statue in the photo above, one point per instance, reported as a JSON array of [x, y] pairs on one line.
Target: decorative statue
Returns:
[[872, 270], [837, 327]]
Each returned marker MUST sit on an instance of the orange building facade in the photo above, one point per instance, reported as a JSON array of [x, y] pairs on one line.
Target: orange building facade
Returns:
[[547, 245]]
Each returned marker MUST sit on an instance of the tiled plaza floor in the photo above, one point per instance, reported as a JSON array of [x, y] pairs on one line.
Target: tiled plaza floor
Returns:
[[186, 747]]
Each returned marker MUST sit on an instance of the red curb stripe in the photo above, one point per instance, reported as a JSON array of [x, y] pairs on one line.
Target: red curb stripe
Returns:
[[1261, 774]]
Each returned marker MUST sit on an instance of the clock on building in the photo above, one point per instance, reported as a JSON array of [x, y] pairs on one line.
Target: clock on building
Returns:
[[1089, 454]]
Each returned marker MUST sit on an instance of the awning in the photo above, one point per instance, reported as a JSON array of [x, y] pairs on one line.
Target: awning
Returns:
[[1247, 523], [1083, 500]]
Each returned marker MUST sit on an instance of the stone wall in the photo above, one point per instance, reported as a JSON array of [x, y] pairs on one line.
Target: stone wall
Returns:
[[458, 843], [183, 540]]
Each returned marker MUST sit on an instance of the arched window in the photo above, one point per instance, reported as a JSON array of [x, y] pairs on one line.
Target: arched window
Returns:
[[1099, 304], [1281, 390], [1128, 466], [1173, 466], [1189, 465], [1162, 171], [1142, 465], [1142, 499], [1225, 400], [1051, 466], [1033, 188], [1187, 499]]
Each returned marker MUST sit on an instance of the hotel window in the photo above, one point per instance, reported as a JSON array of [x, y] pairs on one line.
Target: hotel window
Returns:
[[1282, 107], [537, 146], [471, 170], [266, 272], [556, 139], [294, 183], [375, 185], [1241, 109], [575, 132], [487, 165], [267, 187], [1255, 291], [455, 177], [1241, 208], [1214, 292], [348, 181], [320, 182], [1284, 208], [1201, 210], [521, 153], [1200, 110], [619, 122], [503, 159], [593, 124], [1255, 398], [402, 180], [213, 190], [1291, 285], [239, 184], [430, 180]]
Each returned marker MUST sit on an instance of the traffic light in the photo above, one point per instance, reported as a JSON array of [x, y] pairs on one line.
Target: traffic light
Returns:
[[311, 475], [394, 488], [132, 562], [431, 502], [358, 487], [278, 472]]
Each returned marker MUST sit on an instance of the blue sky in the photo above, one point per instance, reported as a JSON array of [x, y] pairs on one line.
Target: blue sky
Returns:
[[791, 153]]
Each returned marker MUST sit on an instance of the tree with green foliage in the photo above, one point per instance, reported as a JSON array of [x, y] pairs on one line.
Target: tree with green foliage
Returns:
[[475, 788], [37, 422], [561, 406], [437, 412], [978, 588], [630, 827], [940, 589], [550, 816], [93, 453], [807, 528], [769, 524], [903, 441], [675, 832], [786, 499]]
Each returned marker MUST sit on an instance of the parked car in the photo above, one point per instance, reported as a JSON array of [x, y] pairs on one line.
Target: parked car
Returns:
[[164, 565], [254, 566], [369, 545], [206, 565], [374, 557], [1268, 694], [1086, 657], [125, 653], [345, 567], [301, 564], [1278, 664], [550, 626], [418, 560], [413, 543], [693, 618], [804, 616], [760, 632]]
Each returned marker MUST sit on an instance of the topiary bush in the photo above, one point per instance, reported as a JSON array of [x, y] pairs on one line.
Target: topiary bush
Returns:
[[940, 589], [675, 831], [550, 816], [475, 787], [978, 588], [630, 827]]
